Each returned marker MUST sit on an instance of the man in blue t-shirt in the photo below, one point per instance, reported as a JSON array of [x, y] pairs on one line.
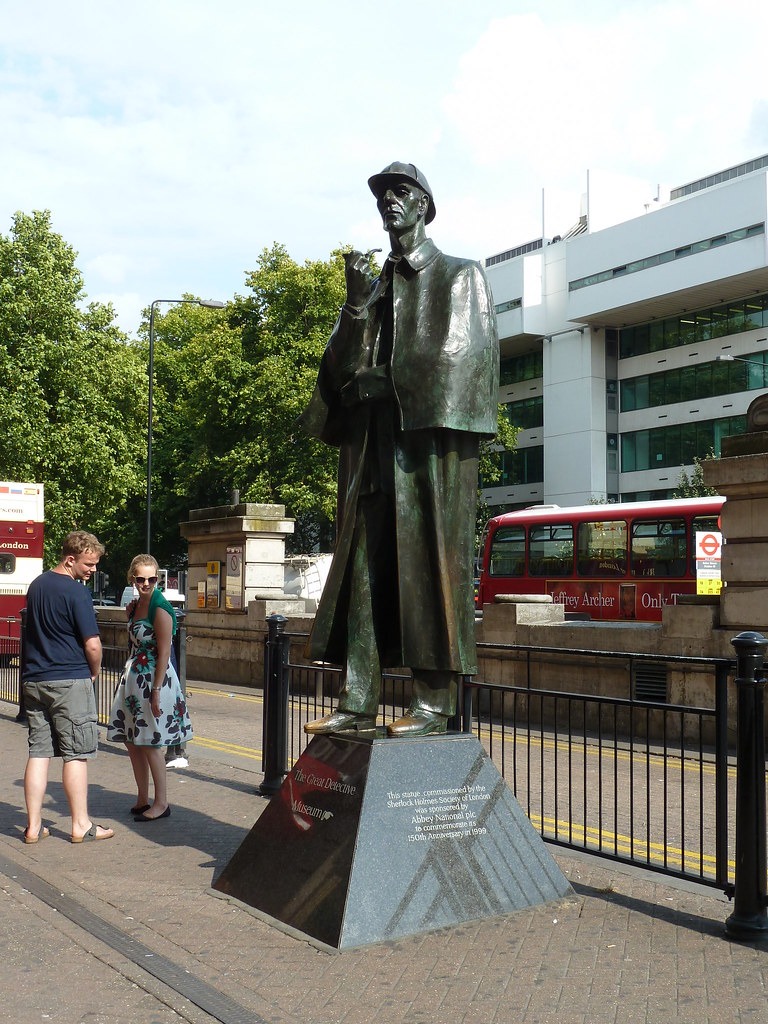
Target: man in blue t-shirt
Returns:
[[62, 660]]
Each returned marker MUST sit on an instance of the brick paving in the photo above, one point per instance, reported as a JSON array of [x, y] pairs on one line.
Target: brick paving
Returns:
[[626, 947]]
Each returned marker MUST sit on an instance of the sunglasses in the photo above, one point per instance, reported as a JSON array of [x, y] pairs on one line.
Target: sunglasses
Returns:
[[145, 579]]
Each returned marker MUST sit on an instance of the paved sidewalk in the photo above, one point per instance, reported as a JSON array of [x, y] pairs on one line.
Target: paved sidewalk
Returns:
[[127, 930]]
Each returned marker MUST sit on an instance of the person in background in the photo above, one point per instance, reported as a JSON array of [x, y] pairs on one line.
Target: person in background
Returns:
[[149, 712], [62, 662]]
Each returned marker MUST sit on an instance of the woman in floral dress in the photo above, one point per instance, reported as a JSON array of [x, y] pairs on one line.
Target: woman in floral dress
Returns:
[[149, 712]]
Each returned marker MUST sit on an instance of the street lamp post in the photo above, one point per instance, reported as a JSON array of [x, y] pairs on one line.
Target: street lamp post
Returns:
[[728, 358], [208, 304]]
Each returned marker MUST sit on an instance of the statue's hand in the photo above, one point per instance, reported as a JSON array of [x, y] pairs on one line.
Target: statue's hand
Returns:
[[358, 276]]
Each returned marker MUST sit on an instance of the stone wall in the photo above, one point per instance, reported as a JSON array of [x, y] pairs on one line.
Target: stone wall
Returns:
[[226, 648], [689, 629]]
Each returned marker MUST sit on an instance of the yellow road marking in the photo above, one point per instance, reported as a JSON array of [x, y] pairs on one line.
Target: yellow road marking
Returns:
[[655, 853], [228, 748], [249, 698]]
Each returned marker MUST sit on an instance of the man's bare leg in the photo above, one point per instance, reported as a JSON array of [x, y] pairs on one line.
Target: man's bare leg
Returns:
[[74, 778], [35, 784]]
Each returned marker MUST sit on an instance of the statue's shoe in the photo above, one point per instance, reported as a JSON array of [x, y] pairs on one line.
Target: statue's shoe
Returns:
[[418, 723], [341, 721]]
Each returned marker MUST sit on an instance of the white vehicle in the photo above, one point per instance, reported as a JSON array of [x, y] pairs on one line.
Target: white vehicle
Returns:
[[305, 576], [174, 597], [128, 595]]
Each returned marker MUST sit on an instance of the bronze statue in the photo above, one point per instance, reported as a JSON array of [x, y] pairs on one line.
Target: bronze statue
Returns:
[[407, 387]]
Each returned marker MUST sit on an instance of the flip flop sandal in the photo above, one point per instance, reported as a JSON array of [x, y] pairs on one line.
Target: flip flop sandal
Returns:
[[92, 835], [31, 840]]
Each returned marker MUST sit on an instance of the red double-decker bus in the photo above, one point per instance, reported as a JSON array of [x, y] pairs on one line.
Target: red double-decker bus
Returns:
[[621, 561], [21, 549]]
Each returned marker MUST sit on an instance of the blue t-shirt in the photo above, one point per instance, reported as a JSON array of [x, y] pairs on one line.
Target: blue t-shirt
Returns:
[[60, 618]]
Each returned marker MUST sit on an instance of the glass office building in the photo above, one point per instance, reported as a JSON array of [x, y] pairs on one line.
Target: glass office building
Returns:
[[622, 346]]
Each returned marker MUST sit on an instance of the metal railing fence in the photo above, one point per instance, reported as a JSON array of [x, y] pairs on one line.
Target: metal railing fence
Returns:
[[112, 663], [645, 782], [10, 659]]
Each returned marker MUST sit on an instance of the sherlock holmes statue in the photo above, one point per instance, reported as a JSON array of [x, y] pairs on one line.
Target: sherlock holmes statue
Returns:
[[407, 388]]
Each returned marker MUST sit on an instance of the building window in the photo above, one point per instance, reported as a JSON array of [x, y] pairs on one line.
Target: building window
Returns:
[[522, 466], [721, 176], [691, 383], [662, 495], [715, 322], [504, 307], [510, 254], [674, 446], [519, 368], [527, 413]]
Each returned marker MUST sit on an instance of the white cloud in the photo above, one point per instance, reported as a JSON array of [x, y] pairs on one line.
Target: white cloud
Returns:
[[110, 266], [649, 93], [173, 142]]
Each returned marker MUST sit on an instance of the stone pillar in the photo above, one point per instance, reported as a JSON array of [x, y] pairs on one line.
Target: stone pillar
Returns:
[[259, 530], [226, 644], [741, 476]]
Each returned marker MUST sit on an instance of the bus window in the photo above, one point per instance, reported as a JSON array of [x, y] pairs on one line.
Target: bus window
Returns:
[[508, 552], [7, 564], [551, 550], [701, 524], [602, 548], [659, 548]]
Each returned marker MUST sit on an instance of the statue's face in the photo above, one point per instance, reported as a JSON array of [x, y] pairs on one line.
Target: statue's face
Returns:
[[402, 205]]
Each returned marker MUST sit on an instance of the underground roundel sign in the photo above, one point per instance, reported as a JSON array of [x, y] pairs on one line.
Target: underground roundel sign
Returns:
[[708, 545]]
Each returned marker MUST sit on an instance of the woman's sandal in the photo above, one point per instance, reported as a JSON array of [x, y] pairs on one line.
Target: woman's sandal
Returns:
[[93, 834], [31, 840]]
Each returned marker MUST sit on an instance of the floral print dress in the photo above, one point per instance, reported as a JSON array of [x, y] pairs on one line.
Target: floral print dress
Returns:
[[131, 719]]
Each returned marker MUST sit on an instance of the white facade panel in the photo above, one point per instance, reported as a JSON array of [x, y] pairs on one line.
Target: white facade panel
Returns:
[[507, 279], [574, 416], [510, 323], [706, 214], [737, 258], [520, 495], [523, 389]]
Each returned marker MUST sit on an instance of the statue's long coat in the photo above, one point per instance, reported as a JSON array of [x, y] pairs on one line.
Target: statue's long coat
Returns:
[[444, 376]]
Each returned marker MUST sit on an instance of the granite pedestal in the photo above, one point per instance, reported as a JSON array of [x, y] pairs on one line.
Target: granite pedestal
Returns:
[[372, 838]]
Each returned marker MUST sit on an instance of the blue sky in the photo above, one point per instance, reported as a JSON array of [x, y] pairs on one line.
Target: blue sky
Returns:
[[172, 141]]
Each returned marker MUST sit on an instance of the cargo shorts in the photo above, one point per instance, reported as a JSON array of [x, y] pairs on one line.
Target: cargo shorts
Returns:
[[62, 718]]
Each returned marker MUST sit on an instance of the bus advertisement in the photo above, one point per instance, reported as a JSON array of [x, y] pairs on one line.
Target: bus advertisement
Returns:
[[21, 548], [622, 561]]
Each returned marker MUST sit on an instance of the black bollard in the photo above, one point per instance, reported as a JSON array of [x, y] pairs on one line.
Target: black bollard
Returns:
[[749, 920], [274, 760]]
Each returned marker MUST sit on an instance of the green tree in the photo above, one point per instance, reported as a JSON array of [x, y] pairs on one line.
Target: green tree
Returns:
[[491, 454], [68, 419], [228, 391], [693, 486], [229, 388]]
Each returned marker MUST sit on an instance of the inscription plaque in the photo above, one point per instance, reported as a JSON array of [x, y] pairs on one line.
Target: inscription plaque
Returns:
[[372, 838]]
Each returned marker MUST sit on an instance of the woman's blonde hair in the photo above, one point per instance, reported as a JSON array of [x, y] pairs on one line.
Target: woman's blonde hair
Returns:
[[141, 560]]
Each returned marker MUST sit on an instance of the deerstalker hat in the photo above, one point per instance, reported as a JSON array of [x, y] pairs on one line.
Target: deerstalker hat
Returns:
[[398, 171]]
